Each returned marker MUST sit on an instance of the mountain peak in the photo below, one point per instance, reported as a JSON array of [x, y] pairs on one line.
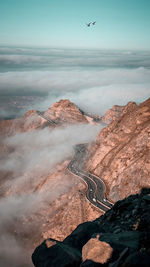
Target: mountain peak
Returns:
[[63, 103], [64, 111]]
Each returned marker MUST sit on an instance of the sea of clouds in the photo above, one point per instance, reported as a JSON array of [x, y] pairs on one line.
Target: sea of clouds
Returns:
[[93, 79], [34, 78]]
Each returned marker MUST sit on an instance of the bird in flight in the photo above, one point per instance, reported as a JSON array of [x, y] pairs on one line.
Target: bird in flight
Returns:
[[88, 24]]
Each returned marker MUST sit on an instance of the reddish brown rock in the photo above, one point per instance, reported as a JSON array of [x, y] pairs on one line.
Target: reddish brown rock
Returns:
[[62, 112], [96, 251], [121, 153], [30, 121], [46, 203], [65, 111], [110, 240], [116, 111]]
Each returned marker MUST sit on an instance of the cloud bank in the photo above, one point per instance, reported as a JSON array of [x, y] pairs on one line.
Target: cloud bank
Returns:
[[34, 155], [95, 80]]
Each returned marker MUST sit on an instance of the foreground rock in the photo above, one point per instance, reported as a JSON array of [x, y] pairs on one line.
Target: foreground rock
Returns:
[[121, 153], [125, 229]]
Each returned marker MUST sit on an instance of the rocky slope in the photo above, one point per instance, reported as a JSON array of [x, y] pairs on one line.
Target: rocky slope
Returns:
[[115, 112], [30, 121], [118, 238], [65, 111], [37, 201], [52, 207], [121, 153], [36, 204], [62, 112]]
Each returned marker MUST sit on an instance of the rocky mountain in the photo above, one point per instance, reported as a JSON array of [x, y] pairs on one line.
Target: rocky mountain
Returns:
[[65, 111], [115, 112], [42, 202], [30, 121], [39, 207], [37, 200], [62, 112], [121, 153], [119, 238]]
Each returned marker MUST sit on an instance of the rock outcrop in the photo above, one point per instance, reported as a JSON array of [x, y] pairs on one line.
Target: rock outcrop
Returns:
[[65, 111], [30, 121], [120, 156], [44, 200], [116, 111], [121, 153], [62, 112], [124, 232]]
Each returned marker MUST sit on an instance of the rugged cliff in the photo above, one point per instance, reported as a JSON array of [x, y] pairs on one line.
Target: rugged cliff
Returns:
[[118, 238], [39, 197], [65, 111], [30, 121], [62, 112], [121, 153]]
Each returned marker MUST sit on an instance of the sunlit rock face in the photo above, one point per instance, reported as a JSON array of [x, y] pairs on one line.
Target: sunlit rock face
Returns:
[[39, 197], [30, 121], [116, 111], [65, 111], [121, 153], [62, 113], [119, 238]]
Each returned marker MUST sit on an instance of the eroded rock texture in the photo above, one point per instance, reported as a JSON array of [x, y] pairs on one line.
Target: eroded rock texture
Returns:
[[121, 153], [125, 229], [65, 111]]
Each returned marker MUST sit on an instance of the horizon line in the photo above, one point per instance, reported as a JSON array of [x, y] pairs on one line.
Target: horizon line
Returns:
[[72, 47]]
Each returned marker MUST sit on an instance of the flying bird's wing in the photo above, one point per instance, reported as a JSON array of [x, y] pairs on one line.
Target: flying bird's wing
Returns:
[[88, 24], [94, 22]]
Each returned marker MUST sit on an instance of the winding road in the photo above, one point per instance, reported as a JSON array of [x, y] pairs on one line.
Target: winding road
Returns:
[[96, 187]]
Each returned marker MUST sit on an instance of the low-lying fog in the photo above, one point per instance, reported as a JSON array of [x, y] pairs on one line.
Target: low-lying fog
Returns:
[[33, 156], [93, 79], [36, 78]]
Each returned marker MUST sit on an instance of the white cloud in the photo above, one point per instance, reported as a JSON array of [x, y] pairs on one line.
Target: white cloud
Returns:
[[35, 155], [107, 87], [12, 252], [92, 79], [99, 90], [40, 151]]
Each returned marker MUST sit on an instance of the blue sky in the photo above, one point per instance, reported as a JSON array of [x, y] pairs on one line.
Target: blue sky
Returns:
[[121, 24]]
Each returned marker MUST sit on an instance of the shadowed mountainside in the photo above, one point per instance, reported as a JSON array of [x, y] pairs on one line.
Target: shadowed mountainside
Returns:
[[119, 238]]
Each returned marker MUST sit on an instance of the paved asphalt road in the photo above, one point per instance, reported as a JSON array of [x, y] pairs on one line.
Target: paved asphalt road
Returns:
[[96, 188]]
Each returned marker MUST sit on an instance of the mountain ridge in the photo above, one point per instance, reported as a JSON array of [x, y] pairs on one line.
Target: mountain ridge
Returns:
[[63, 204], [122, 149]]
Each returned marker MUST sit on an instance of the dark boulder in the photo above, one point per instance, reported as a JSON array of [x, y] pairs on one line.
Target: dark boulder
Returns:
[[126, 227]]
